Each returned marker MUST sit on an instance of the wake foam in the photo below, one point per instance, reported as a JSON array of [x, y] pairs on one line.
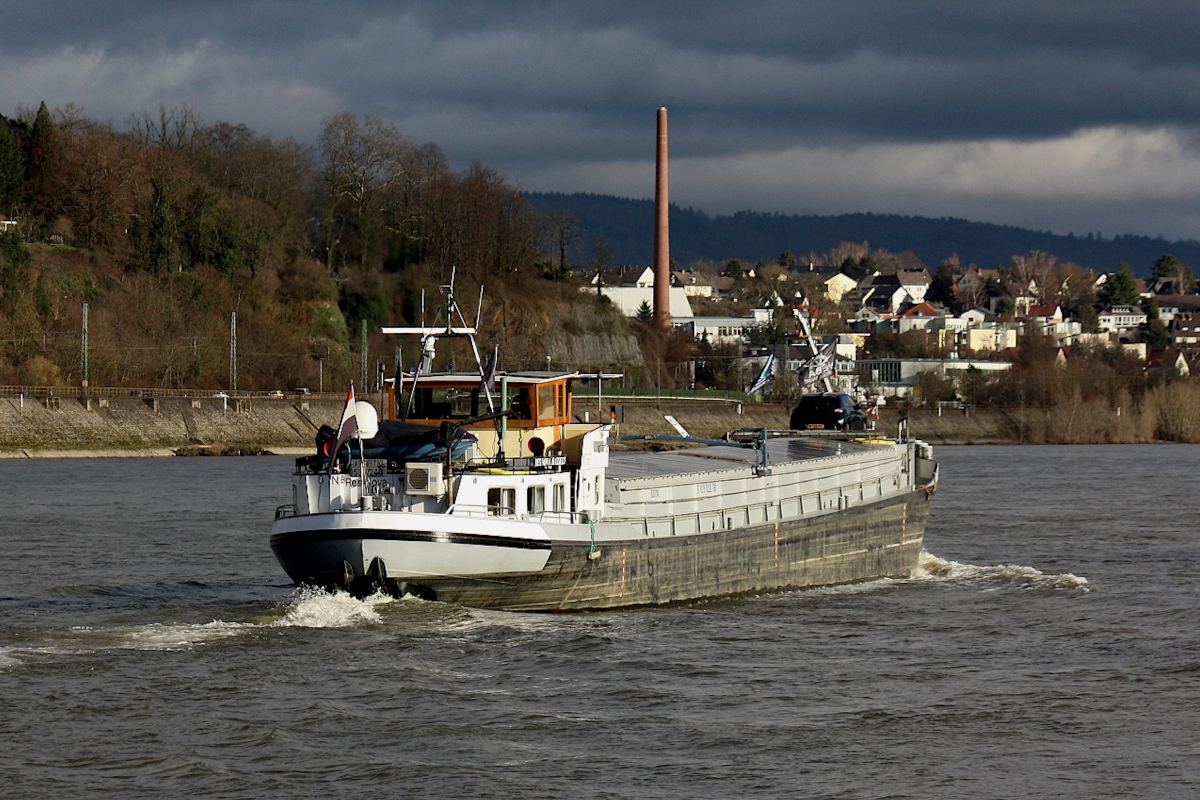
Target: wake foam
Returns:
[[932, 568], [315, 608], [311, 608], [308, 609], [170, 636]]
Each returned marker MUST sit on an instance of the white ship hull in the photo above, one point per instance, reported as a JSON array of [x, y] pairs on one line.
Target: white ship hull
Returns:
[[668, 527]]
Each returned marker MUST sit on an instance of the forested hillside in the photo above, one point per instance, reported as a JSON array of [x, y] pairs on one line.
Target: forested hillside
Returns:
[[626, 226], [166, 227]]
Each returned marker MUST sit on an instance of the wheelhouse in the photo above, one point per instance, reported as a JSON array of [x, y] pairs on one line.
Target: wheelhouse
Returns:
[[534, 399], [538, 406]]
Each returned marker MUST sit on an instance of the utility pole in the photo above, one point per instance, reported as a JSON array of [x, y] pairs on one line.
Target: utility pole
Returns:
[[84, 343], [233, 352], [363, 348]]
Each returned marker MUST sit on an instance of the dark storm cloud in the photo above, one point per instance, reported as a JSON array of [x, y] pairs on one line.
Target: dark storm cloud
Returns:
[[1049, 114]]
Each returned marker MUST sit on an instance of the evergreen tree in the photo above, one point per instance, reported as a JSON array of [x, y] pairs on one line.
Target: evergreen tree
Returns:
[[1157, 336], [1150, 306], [12, 163], [43, 157], [1120, 289], [941, 288], [1171, 268]]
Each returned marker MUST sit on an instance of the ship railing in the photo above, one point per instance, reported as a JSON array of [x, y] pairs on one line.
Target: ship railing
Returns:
[[288, 510], [758, 513], [476, 510], [562, 517], [485, 511]]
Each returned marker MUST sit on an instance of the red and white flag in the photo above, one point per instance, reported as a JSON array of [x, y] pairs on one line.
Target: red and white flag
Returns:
[[346, 429]]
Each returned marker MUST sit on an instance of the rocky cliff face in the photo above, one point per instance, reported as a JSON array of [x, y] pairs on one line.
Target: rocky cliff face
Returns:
[[594, 349]]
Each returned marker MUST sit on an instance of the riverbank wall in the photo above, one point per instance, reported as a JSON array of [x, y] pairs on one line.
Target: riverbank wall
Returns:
[[1083, 423], [116, 426], [138, 426]]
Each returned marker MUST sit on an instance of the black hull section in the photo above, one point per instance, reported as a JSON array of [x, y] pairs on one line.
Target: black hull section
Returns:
[[856, 544], [305, 570]]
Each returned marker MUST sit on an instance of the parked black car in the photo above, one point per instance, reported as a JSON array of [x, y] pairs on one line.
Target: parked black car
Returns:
[[829, 411]]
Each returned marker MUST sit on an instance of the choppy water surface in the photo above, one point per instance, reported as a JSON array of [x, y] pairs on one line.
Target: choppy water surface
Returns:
[[1049, 646]]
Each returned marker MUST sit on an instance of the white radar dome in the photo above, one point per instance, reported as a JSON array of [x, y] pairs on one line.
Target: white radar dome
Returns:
[[368, 420]]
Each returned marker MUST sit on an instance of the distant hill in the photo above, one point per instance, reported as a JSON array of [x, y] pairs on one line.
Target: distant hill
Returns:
[[754, 236]]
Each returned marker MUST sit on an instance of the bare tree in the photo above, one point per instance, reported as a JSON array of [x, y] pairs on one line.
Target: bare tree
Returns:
[[258, 168], [604, 253], [1036, 273], [564, 231], [100, 171], [371, 175], [847, 251], [171, 127]]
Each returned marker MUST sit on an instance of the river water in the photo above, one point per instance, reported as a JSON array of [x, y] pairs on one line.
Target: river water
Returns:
[[1049, 647]]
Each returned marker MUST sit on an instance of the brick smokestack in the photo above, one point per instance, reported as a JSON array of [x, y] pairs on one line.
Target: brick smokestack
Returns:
[[662, 236]]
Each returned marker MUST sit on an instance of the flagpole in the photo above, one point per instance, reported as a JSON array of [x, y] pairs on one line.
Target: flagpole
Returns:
[[362, 467], [344, 431]]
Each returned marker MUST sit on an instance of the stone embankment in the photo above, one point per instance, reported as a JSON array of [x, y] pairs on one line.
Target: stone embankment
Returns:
[[136, 426], [710, 420], [114, 426]]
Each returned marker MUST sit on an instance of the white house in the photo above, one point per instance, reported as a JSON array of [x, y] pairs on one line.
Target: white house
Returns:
[[831, 280], [630, 298], [977, 317], [693, 285], [631, 294], [722, 330], [1046, 314], [915, 283], [898, 377], [1119, 319]]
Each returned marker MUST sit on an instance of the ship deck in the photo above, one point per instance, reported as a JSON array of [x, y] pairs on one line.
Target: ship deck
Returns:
[[627, 464]]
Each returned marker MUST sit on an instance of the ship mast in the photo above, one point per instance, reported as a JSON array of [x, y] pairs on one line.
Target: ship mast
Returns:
[[430, 334]]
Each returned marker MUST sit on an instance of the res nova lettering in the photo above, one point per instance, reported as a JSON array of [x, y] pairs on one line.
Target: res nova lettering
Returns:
[[706, 488], [375, 486]]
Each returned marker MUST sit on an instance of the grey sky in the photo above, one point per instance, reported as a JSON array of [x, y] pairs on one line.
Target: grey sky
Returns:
[[1054, 115]]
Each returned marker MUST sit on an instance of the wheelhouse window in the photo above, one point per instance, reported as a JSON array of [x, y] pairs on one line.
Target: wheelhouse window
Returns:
[[502, 501], [537, 405], [437, 402], [546, 405], [519, 405], [536, 499]]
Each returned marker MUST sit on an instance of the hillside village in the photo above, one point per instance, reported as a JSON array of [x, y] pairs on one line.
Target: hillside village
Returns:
[[176, 256], [896, 328]]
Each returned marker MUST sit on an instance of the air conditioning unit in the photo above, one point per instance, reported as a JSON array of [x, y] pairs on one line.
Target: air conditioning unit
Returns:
[[424, 479]]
